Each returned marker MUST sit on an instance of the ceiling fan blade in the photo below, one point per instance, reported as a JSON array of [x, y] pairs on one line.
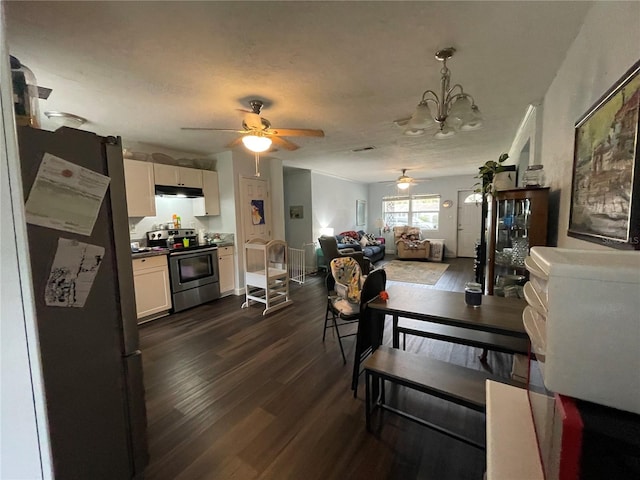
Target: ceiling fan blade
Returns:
[[284, 143], [234, 143], [213, 129], [296, 132]]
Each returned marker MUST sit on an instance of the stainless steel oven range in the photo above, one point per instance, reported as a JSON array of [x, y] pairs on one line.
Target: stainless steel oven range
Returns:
[[193, 269], [194, 276]]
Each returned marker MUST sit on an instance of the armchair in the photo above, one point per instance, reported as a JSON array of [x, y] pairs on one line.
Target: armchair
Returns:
[[409, 245], [329, 246]]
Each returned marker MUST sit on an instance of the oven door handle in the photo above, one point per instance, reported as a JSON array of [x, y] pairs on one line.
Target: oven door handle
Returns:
[[192, 252]]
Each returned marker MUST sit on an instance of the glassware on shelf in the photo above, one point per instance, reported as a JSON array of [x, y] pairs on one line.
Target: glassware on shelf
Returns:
[[520, 251]]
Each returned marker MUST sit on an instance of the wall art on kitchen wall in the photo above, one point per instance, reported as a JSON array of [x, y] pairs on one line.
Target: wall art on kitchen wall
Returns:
[[605, 196], [257, 212]]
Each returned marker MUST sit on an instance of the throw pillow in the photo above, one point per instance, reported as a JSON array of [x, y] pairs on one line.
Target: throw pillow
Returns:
[[351, 234], [349, 241], [370, 237], [364, 241]]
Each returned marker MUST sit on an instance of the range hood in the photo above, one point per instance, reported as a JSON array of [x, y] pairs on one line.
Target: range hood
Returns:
[[182, 192]]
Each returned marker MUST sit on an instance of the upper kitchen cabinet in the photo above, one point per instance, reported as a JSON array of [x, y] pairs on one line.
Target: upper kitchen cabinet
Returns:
[[177, 176], [138, 178], [210, 204]]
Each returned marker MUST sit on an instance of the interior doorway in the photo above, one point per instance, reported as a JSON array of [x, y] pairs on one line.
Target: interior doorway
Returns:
[[469, 218]]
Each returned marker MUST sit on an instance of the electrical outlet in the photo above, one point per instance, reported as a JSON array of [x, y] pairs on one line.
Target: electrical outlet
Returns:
[[132, 228]]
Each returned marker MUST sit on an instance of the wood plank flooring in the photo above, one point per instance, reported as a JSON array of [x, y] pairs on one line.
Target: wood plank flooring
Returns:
[[235, 395]]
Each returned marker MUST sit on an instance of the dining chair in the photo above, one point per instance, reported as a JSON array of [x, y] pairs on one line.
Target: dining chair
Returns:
[[370, 323], [343, 297]]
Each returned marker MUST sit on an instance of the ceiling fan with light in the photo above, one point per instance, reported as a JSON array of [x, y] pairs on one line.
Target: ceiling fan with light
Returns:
[[404, 181], [257, 133]]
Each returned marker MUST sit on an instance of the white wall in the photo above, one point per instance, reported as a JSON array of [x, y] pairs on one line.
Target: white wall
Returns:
[[297, 192], [447, 188], [607, 45], [334, 203], [24, 435]]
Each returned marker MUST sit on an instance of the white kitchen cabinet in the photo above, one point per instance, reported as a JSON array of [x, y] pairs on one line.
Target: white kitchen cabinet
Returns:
[[210, 204], [226, 270], [177, 176], [152, 288], [139, 184]]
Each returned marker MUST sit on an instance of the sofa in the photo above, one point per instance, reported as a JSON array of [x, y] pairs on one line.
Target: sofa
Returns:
[[409, 244], [373, 247]]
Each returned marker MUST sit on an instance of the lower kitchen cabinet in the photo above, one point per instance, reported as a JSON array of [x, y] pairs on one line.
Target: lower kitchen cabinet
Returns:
[[151, 281], [226, 270]]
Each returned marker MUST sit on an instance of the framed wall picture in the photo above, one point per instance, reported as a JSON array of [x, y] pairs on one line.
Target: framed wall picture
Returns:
[[605, 191], [361, 212], [296, 212]]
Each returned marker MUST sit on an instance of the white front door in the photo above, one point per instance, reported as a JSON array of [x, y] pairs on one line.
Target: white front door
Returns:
[[469, 219], [255, 208]]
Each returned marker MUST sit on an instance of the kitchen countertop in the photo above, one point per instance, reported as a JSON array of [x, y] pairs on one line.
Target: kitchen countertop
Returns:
[[165, 251]]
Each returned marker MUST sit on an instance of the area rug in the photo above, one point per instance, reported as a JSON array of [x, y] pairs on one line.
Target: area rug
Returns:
[[426, 273]]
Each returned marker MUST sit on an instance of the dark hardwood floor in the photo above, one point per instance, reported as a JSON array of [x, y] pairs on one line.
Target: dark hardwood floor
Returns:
[[235, 395]]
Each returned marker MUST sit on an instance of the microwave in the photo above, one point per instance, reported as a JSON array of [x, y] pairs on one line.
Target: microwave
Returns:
[[578, 439]]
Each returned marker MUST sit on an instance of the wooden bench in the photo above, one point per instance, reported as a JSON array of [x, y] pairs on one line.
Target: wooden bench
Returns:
[[448, 381], [463, 336]]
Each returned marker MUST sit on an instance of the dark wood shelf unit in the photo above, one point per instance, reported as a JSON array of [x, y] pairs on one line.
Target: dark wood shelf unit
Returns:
[[529, 207]]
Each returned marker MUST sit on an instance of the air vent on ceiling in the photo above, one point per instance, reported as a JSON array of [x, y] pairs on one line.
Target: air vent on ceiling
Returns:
[[364, 149]]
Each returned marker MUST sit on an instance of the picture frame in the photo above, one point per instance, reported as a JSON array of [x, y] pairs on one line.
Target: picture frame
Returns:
[[361, 212], [605, 187], [296, 212]]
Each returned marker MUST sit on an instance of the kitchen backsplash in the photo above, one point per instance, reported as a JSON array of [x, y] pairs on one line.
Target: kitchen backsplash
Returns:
[[165, 208]]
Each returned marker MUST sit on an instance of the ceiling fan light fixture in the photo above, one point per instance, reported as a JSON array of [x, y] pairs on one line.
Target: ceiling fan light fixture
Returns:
[[403, 185], [256, 143]]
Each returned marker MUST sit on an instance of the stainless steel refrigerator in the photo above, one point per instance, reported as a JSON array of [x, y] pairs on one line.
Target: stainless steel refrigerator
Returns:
[[92, 366]]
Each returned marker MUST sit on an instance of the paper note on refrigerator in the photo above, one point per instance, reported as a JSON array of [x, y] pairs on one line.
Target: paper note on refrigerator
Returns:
[[72, 273], [65, 196]]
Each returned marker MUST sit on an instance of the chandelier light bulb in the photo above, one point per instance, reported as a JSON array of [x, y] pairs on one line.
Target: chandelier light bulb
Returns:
[[445, 132], [256, 143], [461, 108]]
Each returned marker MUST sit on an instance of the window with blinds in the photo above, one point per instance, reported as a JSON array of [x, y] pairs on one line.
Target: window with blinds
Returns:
[[415, 210]]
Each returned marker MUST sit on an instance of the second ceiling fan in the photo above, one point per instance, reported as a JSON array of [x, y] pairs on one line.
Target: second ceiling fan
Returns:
[[258, 134]]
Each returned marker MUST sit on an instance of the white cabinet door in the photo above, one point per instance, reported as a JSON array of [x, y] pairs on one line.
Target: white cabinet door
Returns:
[[177, 176], [139, 184], [210, 204], [190, 177], [166, 174], [226, 270], [151, 283]]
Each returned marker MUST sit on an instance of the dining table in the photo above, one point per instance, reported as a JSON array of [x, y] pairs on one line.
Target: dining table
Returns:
[[499, 316]]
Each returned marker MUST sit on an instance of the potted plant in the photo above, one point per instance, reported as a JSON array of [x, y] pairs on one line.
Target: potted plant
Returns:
[[487, 174]]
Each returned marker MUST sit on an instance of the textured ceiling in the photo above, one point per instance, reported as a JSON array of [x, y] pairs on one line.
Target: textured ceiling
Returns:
[[142, 70]]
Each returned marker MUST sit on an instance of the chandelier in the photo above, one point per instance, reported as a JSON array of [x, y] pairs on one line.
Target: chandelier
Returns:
[[452, 110]]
